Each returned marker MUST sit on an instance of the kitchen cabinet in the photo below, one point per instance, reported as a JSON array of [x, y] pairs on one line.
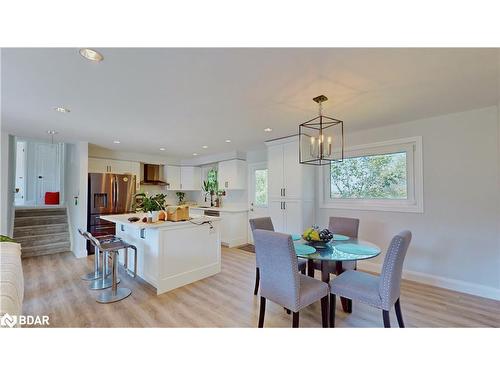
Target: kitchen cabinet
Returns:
[[98, 165], [190, 178], [232, 175], [290, 187], [233, 225], [183, 178], [172, 175]]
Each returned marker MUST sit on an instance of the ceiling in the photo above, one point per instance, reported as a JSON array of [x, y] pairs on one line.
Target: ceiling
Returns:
[[182, 99]]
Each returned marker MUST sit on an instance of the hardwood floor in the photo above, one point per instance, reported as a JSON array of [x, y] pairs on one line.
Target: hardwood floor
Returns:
[[53, 287]]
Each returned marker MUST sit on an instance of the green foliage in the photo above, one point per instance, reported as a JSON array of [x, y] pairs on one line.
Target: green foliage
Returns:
[[210, 185], [6, 239], [261, 187], [370, 177], [180, 196], [151, 203]]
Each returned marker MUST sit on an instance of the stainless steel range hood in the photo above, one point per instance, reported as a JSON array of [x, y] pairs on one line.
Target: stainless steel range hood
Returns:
[[152, 175]]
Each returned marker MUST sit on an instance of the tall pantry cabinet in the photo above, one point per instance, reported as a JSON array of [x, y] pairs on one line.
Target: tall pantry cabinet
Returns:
[[290, 187]]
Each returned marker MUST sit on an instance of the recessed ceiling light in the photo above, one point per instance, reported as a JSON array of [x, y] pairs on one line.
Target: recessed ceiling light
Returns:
[[91, 54], [61, 109], [195, 154], [268, 130], [51, 132], [117, 142], [162, 148], [204, 146], [228, 141]]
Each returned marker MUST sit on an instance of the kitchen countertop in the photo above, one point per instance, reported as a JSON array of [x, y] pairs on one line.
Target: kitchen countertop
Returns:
[[221, 209], [123, 219]]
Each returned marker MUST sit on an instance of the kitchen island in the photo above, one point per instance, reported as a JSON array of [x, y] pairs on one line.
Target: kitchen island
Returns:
[[171, 254]]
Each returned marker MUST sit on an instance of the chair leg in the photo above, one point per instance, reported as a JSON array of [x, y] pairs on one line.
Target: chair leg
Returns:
[[295, 320], [257, 280], [324, 311], [303, 271], [387, 320], [399, 315], [262, 311], [333, 301], [287, 311]]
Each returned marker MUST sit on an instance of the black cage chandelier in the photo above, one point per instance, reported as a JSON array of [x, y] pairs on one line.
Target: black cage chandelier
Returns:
[[321, 139]]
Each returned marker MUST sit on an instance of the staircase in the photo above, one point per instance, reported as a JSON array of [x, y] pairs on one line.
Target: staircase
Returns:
[[41, 231]]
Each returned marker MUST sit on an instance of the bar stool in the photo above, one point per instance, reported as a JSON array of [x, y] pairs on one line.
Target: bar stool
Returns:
[[115, 294], [125, 263], [105, 281]]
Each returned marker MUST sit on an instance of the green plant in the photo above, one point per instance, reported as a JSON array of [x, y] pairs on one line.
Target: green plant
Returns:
[[180, 196], [6, 239], [149, 204]]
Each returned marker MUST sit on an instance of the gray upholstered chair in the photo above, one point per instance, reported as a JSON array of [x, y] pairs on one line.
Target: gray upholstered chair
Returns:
[[378, 291], [346, 226], [281, 283], [266, 223]]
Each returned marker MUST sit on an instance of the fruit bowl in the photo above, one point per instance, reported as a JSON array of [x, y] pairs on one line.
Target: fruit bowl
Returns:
[[317, 237]]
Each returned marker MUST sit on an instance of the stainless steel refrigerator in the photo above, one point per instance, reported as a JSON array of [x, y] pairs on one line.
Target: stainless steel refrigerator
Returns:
[[108, 194]]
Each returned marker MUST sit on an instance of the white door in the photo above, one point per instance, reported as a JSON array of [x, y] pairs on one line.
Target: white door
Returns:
[[293, 217], [20, 184], [258, 199], [47, 170], [275, 166]]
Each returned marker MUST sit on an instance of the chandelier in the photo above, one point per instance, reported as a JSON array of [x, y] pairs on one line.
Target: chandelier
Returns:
[[321, 139]]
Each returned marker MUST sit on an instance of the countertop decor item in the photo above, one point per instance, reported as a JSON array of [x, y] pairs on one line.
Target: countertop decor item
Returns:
[[316, 236], [151, 205], [321, 139], [180, 197]]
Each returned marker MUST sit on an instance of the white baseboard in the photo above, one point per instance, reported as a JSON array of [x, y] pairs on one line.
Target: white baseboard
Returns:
[[441, 282]]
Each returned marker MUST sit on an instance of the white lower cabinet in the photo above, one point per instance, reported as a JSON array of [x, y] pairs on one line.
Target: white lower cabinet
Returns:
[[233, 226], [291, 216]]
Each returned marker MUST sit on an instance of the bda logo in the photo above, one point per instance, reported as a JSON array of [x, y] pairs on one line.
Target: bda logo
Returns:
[[8, 321]]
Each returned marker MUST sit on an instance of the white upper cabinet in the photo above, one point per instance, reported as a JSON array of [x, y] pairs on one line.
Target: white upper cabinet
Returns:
[[190, 178], [287, 178], [98, 165], [232, 175], [172, 175]]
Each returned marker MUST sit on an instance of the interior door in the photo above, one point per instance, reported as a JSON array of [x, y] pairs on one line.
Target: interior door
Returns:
[[47, 170], [20, 184], [258, 199]]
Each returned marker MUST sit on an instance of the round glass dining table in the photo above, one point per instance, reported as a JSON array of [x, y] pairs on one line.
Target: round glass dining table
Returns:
[[333, 253]]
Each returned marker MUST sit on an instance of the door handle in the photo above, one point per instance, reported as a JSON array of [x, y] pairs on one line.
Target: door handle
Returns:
[[40, 177], [284, 191], [284, 205]]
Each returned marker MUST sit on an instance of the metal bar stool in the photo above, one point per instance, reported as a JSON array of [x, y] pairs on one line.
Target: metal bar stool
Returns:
[[125, 263], [105, 281], [97, 273], [115, 294]]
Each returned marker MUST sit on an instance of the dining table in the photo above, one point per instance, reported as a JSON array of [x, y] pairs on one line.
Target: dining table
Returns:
[[340, 249]]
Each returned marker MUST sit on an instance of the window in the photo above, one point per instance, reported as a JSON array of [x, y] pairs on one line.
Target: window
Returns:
[[382, 176], [260, 187]]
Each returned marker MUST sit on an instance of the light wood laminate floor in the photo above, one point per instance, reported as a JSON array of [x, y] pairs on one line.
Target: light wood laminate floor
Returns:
[[53, 287]]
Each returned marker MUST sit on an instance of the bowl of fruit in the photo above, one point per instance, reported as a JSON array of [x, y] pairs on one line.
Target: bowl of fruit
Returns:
[[317, 237]]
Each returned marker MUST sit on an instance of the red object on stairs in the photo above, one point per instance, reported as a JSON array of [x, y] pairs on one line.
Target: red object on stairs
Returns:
[[52, 197]]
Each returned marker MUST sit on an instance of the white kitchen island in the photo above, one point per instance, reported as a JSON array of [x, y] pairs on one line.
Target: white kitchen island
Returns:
[[171, 254]]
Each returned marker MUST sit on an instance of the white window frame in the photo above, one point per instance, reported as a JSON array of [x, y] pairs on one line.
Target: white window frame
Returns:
[[414, 169]]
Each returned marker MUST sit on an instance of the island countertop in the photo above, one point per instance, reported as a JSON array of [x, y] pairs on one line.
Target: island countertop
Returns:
[[123, 219]]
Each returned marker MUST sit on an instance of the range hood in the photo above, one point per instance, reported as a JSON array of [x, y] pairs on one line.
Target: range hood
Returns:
[[152, 175]]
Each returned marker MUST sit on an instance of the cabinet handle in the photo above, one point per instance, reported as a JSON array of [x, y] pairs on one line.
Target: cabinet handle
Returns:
[[284, 191], [284, 205], [227, 184]]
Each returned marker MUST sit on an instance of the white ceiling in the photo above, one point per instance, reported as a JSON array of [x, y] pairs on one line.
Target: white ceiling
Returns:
[[182, 99]]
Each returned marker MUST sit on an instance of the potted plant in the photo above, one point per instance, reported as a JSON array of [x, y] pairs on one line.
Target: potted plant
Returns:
[[180, 196], [150, 205]]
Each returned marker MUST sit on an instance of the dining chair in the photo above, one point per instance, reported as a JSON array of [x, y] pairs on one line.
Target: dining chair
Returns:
[[266, 223], [281, 283], [346, 226], [378, 291]]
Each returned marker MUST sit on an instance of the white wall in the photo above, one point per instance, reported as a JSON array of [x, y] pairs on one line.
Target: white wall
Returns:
[[455, 241], [76, 186], [7, 176]]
